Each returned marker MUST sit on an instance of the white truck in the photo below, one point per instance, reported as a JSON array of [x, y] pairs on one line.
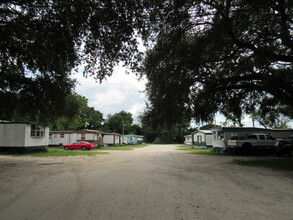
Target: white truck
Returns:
[[252, 142]]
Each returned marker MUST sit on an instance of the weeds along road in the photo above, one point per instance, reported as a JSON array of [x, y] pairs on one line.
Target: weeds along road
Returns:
[[155, 182]]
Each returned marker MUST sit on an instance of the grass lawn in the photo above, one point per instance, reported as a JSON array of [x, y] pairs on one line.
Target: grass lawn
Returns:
[[55, 152], [284, 163], [197, 151]]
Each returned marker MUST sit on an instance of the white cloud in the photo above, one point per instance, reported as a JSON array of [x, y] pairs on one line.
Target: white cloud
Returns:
[[120, 92]]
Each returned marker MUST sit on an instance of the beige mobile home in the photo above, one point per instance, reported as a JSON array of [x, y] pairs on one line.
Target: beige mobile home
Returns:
[[92, 136], [23, 136], [62, 137], [68, 137], [111, 139]]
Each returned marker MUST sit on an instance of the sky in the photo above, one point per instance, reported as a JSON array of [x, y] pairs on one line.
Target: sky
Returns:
[[119, 92]]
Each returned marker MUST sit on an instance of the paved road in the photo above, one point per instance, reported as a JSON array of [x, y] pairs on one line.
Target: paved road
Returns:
[[155, 182]]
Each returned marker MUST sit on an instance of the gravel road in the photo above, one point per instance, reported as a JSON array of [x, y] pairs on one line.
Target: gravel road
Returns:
[[155, 182]]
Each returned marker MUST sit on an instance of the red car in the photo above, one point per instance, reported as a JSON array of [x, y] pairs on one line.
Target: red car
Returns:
[[79, 145]]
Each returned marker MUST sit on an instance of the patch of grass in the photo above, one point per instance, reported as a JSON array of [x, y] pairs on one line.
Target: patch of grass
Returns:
[[271, 163], [57, 152], [197, 150], [60, 152], [122, 147]]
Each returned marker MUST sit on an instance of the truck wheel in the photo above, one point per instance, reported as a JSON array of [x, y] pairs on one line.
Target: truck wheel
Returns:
[[237, 151], [246, 148], [83, 148]]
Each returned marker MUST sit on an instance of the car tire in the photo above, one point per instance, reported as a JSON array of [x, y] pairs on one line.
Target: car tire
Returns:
[[66, 148], [291, 153], [83, 148]]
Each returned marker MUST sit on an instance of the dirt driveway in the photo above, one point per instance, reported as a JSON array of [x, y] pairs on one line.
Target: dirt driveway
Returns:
[[155, 182]]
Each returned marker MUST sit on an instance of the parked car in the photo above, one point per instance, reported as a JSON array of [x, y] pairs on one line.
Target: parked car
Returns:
[[79, 145], [283, 146]]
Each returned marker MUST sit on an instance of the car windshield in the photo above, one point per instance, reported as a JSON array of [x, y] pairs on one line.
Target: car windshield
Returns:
[[86, 142]]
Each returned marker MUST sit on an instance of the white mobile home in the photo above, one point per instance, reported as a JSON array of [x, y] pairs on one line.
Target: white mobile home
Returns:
[[221, 135], [202, 138], [62, 137], [68, 137], [187, 140], [23, 136], [111, 139]]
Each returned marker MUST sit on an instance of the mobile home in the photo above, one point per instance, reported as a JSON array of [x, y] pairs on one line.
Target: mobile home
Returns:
[[62, 137], [187, 140], [202, 138], [221, 135], [23, 136], [68, 137], [132, 139], [92, 136], [111, 139]]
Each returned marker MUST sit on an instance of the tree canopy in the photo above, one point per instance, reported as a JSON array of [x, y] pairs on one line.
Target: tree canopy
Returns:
[[78, 115], [234, 56], [120, 122], [42, 41]]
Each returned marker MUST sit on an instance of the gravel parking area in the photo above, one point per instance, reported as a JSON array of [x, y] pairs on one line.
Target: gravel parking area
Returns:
[[154, 182]]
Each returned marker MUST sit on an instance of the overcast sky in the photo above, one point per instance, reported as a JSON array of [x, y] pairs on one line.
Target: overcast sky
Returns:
[[120, 92]]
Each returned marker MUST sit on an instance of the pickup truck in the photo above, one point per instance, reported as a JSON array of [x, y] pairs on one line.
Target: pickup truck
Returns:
[[252, 142]]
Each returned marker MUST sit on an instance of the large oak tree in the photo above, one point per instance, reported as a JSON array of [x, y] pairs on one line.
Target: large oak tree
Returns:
[[236, 54], [43, 41]]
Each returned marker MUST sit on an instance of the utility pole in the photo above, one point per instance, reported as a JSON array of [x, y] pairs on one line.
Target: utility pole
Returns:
[[122, 130]]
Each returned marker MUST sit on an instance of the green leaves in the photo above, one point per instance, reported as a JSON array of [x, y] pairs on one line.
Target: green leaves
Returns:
[[230, 57], [43, 41], [77, 115]]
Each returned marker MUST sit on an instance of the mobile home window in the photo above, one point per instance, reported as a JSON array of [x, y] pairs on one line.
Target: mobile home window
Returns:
[[37, 131], [61, 135], [82, 136]]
